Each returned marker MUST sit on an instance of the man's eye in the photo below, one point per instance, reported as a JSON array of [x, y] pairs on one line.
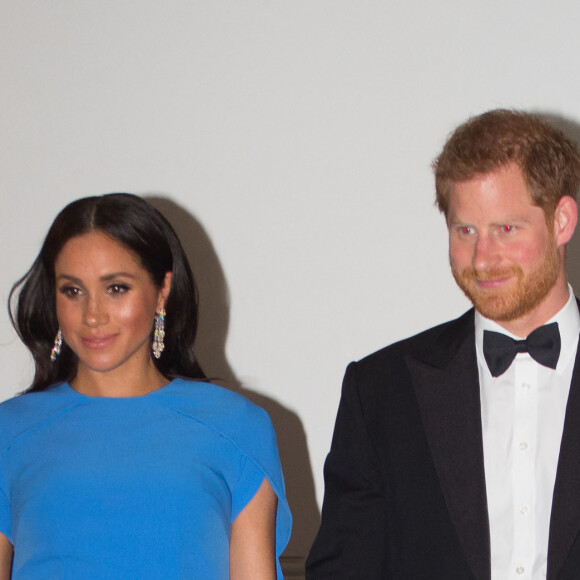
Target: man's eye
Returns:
[[507, 228], [466, 230]]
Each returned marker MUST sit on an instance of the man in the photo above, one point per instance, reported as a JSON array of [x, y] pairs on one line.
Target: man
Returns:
[[456, 453]]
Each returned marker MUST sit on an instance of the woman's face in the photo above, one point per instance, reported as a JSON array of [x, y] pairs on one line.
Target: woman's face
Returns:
[[105, 304]]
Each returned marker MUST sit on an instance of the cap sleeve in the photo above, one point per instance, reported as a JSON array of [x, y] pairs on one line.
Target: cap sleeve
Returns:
[[249, 481], [262, 461], [250, 430]]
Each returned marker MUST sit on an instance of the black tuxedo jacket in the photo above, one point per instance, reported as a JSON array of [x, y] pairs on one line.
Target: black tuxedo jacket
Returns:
[[405, 485]]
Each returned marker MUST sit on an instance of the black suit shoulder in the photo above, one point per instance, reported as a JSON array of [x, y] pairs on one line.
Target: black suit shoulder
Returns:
[[436, 346], [436, 340]]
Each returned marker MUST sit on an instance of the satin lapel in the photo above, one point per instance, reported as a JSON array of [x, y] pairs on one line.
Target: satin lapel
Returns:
[[451, 412], [565, 518]]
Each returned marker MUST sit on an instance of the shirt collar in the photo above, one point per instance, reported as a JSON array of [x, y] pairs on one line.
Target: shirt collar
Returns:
[[568, 320]]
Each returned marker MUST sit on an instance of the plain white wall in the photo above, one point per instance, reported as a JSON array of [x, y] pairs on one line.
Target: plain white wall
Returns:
[[290, 143]]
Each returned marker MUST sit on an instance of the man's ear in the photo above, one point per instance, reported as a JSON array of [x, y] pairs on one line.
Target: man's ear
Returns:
[[565, 219], [164, 292]]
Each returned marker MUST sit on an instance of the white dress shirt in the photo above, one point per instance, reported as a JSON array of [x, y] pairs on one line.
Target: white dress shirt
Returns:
[[522, 415]]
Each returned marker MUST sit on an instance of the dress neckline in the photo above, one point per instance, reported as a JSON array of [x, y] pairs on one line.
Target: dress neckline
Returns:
[[67, 386]]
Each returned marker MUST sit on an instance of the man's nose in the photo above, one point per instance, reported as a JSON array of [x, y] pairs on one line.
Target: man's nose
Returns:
[[485, 254]]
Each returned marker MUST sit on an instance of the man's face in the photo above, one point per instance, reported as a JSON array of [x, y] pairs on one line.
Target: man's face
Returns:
[[502, 253]]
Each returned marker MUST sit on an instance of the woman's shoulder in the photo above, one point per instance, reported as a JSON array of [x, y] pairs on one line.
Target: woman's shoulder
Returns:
[[214, 405], [243, 423], [228, 414], [30, 410]]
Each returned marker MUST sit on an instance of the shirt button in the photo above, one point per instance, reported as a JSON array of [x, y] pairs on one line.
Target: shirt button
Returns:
[[523, 446], [524, 511], [525, 386], [520, 570]]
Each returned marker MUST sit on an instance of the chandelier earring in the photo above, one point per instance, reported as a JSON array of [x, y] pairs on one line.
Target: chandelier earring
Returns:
[[57, 347], [159, 334]]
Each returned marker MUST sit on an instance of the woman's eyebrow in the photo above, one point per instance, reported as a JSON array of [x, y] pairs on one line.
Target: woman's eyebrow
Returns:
[[105, 278], [109, 277]]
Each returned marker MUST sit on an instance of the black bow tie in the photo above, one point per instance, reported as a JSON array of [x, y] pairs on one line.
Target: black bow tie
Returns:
[[543, 345]]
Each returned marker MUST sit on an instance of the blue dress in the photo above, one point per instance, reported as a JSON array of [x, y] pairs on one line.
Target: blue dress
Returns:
[[99, 488]]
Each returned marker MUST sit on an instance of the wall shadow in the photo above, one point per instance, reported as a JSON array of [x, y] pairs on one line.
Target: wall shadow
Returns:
[[210, 350], [572, 130]]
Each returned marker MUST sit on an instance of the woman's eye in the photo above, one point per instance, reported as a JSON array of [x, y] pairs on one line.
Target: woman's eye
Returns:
[[117, 289], [71, 291]]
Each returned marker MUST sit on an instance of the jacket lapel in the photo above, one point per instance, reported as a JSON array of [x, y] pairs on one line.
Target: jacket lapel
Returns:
[[449, 402], [565, 518]]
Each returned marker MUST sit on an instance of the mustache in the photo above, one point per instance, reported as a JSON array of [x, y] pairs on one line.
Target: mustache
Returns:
[[493, 274]]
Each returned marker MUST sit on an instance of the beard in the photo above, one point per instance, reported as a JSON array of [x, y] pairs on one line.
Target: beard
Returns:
[[513, 302]]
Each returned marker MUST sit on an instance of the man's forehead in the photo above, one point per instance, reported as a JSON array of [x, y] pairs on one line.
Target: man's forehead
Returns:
[[505, 181], [496, 196], [511, 167]]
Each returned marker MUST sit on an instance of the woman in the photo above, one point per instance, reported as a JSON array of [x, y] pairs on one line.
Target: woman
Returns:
[[121, 460]]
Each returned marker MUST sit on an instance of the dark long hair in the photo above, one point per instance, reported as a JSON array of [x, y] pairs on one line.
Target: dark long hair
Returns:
[[139, 227]]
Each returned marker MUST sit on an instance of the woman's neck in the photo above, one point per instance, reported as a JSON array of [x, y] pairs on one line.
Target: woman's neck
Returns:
[[120, 382]]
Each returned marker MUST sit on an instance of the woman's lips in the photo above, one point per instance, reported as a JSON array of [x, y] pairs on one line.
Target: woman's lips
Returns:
[[100, 341]]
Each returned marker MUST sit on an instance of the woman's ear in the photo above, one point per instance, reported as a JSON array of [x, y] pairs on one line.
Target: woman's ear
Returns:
[[164, 291]]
